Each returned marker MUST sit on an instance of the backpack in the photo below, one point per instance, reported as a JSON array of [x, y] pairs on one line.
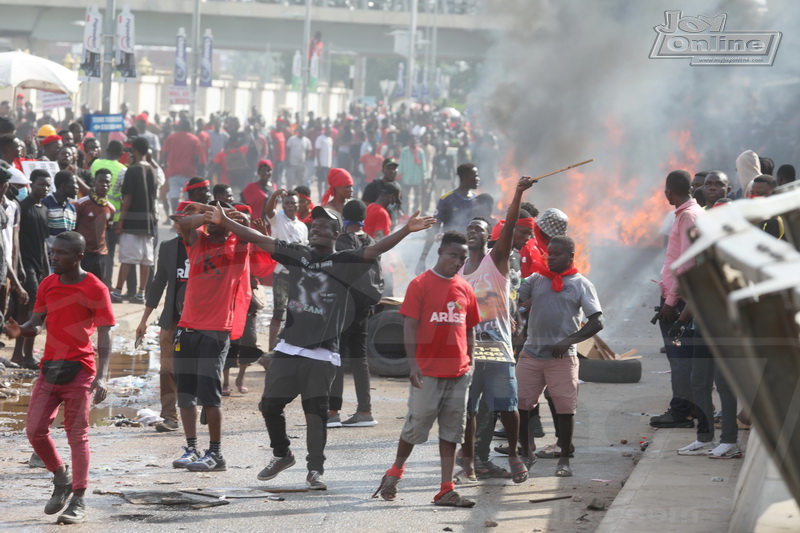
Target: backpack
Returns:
[[367, 290]]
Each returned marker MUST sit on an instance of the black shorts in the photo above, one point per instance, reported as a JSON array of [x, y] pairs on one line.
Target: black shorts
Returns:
[[198, 358]]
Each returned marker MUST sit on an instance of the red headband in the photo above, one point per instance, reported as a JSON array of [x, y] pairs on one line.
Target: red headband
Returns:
[[529, 222], [198, 185], [303, 196]]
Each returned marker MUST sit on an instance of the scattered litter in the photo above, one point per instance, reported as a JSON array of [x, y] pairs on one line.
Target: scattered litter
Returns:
[[448, 529], [602, 480], [147, 417], [127, 422], [171, 498], [627, 454], [165, 482], [577, 499], [661, 371], [276, 498], [717, 479], [623, 441], [582, 519], [490, 523], [596, 505]]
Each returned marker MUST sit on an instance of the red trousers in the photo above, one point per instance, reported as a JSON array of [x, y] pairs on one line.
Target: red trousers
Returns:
[[45, 401]]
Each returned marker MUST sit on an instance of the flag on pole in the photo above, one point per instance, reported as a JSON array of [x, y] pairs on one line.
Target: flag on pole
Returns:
[[313, 72], [399, 88], [207, 60], [179, 75], [126, 40], [92, 43], [297, 70]]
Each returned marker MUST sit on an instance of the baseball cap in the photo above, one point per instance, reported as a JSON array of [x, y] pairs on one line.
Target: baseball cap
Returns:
[[17, 177], [324, 212], [390, 161]]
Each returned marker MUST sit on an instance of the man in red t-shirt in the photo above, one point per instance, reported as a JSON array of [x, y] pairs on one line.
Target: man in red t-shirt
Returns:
[[72, 302], [219, 275], [440, 313], [372, 163], [378, 222], [183, 156]]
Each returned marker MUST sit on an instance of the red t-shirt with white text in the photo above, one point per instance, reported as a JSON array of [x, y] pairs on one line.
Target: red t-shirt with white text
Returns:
[[73, 313], [445, 309], [215, 273]]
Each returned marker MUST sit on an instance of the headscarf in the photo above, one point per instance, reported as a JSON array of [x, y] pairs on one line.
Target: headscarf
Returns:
[[337, 177], [748, 167]]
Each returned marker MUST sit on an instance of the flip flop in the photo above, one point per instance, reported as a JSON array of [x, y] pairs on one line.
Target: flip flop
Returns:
[[519, 472], [453, 499], [463, 480], [243, 390], [563, 471], [226, 392]]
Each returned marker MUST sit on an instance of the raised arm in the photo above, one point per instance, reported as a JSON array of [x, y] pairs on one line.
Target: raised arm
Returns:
[[502, 248], [217, 216], [429, 239], [269, 207], [415, 223], [192, 220]]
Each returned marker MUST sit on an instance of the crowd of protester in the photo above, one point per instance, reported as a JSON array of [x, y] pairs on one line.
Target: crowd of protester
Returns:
[[278, 205]]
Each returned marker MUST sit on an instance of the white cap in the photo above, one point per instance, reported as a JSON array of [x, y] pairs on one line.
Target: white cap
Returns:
[[17, 177]]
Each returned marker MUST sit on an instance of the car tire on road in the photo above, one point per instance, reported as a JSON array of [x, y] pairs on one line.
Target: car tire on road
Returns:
[[385, 351]]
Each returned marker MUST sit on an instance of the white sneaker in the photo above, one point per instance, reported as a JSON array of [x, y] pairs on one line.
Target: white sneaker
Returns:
[[726, 451], [697, 448]]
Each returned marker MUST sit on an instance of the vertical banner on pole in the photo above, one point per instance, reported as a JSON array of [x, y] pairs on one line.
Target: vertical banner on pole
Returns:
[[126, 40], [313, 72], [206, 61], [437, 83], [92, 44], [297, 70], [179, 77], [399, 90]]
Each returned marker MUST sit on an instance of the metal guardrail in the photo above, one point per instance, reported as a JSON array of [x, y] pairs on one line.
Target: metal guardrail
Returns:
[[745, 295]]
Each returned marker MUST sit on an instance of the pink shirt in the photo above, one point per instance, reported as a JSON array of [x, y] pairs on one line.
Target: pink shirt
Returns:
[[685, 216]]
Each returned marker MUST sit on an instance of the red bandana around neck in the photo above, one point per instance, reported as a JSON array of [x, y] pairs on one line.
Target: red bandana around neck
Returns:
[[557, 278]]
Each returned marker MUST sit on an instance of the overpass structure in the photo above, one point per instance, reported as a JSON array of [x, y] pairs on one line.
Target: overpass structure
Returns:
[[247, 25]]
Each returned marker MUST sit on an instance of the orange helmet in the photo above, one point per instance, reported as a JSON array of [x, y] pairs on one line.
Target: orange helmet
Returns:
[[46, 131]]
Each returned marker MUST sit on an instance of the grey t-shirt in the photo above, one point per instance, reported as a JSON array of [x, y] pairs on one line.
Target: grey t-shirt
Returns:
[[554, 315]]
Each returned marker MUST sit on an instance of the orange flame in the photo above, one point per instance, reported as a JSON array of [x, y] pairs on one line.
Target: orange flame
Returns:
[[607, 206]]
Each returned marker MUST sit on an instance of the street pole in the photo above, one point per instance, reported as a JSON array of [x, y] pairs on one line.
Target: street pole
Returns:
[[196, 52], [412, 45], [108, 62], [434, 43], [306, 63]]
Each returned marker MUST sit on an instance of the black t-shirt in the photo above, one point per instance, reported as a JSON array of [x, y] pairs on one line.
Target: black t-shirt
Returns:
[[317, 307], [443, 167], [33, 230], [181, 277], [140, 183]]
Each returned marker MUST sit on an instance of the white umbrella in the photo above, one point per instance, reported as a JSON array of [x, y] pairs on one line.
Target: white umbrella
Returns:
[[26, 71]]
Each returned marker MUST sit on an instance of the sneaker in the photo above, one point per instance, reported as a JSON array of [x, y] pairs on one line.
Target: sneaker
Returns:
[[75, 513], [116, 297], [167, 425], [62, 488], [334, 421], [669, 420], [187, 458], [276, 466], [726, 451], [697, 448], [359, 420], [210, 462], [500, 433], [315, 482], [137, 298]]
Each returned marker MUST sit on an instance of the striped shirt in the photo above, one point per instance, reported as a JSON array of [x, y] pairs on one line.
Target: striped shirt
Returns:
[[60, 218]]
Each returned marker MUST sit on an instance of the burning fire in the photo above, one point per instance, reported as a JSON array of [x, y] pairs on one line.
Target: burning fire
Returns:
[[607, 205]]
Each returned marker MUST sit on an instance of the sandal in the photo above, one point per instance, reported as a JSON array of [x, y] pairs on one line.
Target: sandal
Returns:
[[226, 392], [563, 471], [503, 449], [387, 488], [240, 386], [462, 479], [518, 470], [552, 451], [453, 499], [486, 470], [243, 390]]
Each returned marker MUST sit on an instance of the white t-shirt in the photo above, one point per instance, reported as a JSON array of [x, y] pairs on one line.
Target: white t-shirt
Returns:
[[288, 230], [12, 210], [324, 146], [296, 150]]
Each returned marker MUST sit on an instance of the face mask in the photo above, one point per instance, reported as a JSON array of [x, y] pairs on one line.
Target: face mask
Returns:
[[22, 193]]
